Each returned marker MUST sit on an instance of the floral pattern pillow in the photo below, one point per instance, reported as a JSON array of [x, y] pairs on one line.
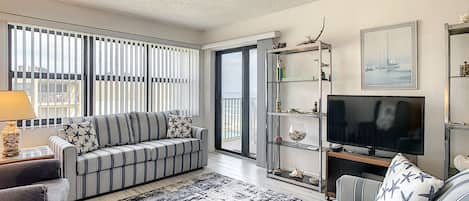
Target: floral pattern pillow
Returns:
[[82, 135], [179, 126]]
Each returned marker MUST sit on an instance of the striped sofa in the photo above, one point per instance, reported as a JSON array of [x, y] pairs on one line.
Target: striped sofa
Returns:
[[133, 149], [351, 188]]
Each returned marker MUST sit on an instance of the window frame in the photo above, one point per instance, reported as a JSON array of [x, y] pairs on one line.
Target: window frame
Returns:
[[49, 76], [87, 77]]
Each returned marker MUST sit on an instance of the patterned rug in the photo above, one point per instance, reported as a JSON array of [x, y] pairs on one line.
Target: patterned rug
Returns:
[[212, 187]]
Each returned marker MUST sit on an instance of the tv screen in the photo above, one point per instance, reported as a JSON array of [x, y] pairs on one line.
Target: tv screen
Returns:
[[390, 123]]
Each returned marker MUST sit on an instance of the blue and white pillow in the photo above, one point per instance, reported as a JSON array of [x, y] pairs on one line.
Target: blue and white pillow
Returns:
[[82, 135], [179, 126], [404, 181]]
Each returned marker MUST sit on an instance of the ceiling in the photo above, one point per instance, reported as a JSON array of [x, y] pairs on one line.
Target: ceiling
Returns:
[[197, 14]]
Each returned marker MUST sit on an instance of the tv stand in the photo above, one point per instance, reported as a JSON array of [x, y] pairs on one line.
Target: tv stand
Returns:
[[372, 153], [346, 163]]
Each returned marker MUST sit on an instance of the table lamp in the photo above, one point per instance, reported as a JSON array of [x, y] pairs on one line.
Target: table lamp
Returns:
[[14, 105]]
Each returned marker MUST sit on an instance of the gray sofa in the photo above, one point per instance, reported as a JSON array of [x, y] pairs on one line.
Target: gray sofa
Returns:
[[351, 188], [33, 180], [133, 149]]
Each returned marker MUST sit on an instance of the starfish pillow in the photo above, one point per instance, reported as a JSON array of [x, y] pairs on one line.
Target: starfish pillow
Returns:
[[404, 181]]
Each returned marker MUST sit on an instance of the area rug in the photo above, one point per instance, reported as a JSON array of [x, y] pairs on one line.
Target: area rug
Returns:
[[213, 187]]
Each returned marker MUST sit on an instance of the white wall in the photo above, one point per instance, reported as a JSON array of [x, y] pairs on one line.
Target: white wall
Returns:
[[61, 12], [344, 19], [56, 14]]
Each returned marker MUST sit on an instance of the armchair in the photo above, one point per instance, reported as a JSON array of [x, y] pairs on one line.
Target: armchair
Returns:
[[351, 188], [33, 180]]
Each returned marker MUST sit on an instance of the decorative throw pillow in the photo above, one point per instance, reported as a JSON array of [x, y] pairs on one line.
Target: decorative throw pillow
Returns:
[[82, 135], [179, 126], [405, 181]]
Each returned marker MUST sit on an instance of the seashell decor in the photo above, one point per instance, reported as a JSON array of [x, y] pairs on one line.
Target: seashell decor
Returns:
[[296, 135], [296, 173]]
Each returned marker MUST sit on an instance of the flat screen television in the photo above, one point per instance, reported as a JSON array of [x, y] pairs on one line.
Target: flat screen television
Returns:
[[389, 123]]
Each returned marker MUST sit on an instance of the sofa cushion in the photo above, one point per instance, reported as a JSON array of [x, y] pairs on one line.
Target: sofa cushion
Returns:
[[171, 147], [405, 181], [148, 126], [179, 126], [455, 188], [72, 120], [112, 157], [113, 130], [82, 135]]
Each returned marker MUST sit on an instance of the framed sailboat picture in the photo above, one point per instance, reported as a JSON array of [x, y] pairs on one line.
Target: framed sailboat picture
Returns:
[[389, 57]]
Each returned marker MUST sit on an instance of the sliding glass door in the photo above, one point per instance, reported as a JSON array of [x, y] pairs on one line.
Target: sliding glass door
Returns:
[[236, 102]]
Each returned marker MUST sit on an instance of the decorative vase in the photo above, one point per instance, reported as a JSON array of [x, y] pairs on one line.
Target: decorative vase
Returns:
[[278, 106], [296, 133], [464, 69], [278, 140]]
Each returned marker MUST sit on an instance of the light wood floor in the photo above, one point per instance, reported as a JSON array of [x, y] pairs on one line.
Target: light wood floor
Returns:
[[234, 167]]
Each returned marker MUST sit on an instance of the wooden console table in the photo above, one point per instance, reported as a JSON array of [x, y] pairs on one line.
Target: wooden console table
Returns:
[[345, 163]]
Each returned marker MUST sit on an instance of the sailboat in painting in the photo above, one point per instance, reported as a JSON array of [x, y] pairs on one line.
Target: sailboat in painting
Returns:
[[392, 67], [389, 56], [386, 65]]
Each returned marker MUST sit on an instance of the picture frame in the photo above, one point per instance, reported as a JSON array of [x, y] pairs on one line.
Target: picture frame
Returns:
[[389, 57]]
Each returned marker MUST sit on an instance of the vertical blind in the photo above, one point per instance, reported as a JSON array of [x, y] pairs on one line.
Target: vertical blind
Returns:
[[120, 71], [48, 65], [174, 83], [69, 74]]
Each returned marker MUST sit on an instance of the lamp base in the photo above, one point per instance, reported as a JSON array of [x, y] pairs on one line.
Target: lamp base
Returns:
[[10, 138]]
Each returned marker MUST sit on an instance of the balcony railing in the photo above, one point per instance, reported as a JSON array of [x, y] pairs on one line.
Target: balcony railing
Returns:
[[232, 119]]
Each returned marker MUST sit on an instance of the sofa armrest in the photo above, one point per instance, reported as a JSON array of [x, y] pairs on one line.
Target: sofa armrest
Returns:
[[67, 155], [202, 135], [351, 188], [36, 192], [28, 172]]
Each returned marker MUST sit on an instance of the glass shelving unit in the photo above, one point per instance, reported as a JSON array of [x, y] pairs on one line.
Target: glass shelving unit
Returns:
[[275, 115], [450, 125]]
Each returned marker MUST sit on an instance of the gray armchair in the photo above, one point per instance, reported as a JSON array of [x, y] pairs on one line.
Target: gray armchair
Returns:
[[33, 180], [351, 188]]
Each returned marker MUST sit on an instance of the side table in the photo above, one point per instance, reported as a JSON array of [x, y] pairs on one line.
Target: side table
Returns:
[[28, 154]]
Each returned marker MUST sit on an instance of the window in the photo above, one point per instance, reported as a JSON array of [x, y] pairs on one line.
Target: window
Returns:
[[48, 65], [120, 69], [174, 81], [69, 74]]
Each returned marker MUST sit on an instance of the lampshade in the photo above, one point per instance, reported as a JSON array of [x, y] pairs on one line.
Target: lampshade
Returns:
[[15, 105]]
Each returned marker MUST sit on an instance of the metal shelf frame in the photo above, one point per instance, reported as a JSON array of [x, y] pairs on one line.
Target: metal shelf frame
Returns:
[[449, 125], [297, 145], [273, 118]]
